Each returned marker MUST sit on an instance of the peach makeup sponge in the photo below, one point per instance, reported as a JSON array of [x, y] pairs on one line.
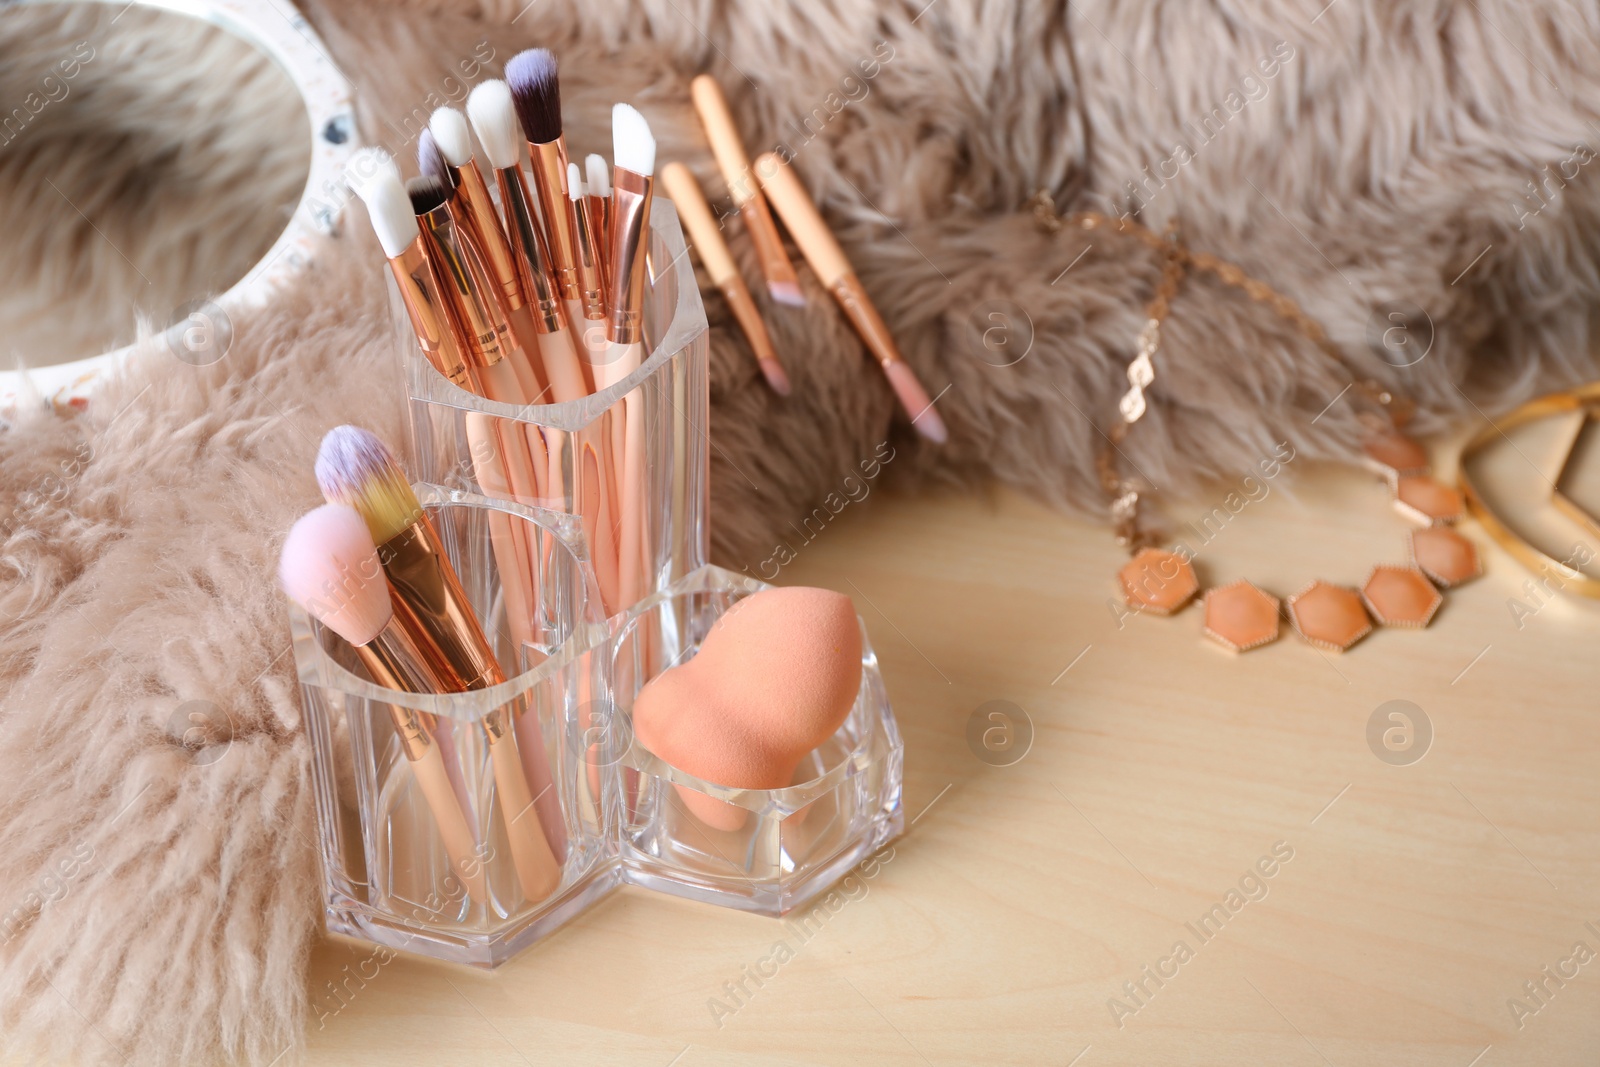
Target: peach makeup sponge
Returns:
[[775, 677]]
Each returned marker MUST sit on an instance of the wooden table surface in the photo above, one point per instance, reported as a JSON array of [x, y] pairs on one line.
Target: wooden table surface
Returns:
[[1408, 903]]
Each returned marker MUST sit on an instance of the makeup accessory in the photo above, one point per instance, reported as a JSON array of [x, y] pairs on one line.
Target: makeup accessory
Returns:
[[485, 332], [354, 468], [329, 567], [1503, 528], [536, 92], [774, 678], [438, 337], [828, 260], [494, 119], [448, 130], [597, 203], [591, 280], [396, 225], [782, 282], [1240, 616], [634, 152], [696, 215]]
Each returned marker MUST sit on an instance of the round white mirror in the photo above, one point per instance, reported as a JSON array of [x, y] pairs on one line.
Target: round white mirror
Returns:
[[161, 164]]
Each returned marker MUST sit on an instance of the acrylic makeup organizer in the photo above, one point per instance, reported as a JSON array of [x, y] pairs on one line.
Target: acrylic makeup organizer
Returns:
[[611, 811]]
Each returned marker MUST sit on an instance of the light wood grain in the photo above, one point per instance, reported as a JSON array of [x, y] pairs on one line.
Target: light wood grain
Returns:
[[1418, 900]]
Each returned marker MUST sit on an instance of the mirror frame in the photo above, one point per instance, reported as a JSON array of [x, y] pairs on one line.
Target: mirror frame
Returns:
[[278, 30]]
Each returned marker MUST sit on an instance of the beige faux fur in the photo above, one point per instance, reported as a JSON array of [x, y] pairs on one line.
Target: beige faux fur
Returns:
[[156, 877]]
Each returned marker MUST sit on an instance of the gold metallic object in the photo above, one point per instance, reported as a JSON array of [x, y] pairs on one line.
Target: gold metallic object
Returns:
[[550, 181], [1585, 397], [1239, 615], [630, 227], [429, 311]]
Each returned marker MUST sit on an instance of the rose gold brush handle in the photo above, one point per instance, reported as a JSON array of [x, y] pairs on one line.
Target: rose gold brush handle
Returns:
[[453, 643], [735, 167], [828, 260], [511, 551], [538, 870], [707, 237], [556, 349], [394, 661]]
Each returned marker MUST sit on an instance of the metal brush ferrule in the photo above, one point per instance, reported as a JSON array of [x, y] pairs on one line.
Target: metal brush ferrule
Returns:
[[485, 332], [477, 209], [852, 297], [441, 619], [591, 278], [429, 312], [550, 180], [775, 265], [528, 249], [630, 228], [597, 213]]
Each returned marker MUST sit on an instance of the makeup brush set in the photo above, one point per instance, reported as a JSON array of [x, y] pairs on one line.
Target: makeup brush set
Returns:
[[524, 684]]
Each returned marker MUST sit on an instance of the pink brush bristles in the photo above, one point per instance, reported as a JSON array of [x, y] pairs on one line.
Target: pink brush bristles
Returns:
[[787, 293], [915, 400]]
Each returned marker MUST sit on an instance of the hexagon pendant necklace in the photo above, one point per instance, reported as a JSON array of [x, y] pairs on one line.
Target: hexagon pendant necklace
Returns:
[[1241, 616]]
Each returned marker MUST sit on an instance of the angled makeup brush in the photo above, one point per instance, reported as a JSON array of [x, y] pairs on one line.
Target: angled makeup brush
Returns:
[[426, 304], [494, 119], [449, 132], [782, 282], [355, 468], [634, 152], [696, 214], [828, 260], [536, 91], [330, 568]]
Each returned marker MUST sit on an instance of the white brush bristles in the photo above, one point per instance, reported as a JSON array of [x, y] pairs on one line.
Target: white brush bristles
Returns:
[[633, 146], [599, 175], [389, 207], [575, 190], [494, 120], [330, 567], [367, 165], [452, 135]]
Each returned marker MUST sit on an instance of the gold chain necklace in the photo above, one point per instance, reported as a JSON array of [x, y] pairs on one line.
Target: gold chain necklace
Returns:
[[1240, 615]]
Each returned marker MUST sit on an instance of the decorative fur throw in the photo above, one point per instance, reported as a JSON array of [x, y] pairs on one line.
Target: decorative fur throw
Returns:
[[1436, 155]]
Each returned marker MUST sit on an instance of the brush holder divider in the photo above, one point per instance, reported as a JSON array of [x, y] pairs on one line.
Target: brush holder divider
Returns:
[[768, 851], [390, 875], [575, 449]]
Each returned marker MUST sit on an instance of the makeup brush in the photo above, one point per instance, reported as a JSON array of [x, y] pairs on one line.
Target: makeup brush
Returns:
[[448, 130], [828, 260], [634, 152], [486, 333], [355, 468], [426, 305], [782, 282], [696, 214], [494, 119], [536, 91], [597, 202], [430, 161], [591, 280], [329, 567]]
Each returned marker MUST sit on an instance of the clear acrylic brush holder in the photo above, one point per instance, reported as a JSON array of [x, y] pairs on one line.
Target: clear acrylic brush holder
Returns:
[[390, 875], [790, 844], [575, 447]]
